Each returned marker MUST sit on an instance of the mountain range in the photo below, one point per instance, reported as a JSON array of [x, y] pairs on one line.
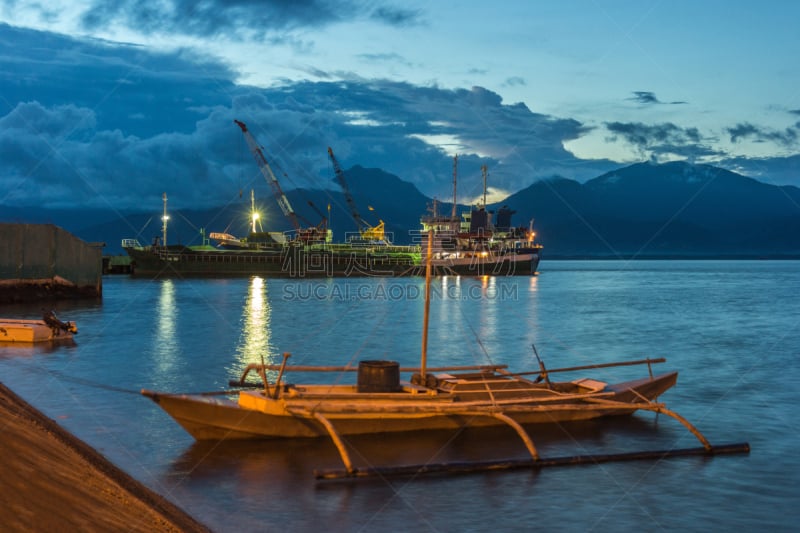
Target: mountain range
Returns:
[[643, 210]]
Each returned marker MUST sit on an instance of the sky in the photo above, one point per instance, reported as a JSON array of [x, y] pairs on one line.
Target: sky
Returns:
[[110, 104]]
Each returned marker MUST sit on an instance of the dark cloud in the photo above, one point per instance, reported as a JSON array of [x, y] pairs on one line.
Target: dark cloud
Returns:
[[661, 139], [385, 58], [85, 123], [385, 124], [395, 16], [56, 157], [238, 18], [794, 111], [39, 121], [126, 87], [744, 130], [212, 17], [649, 98], [100, 125], [644, 97]]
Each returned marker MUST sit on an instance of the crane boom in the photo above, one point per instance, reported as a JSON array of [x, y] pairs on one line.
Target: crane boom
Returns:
[[324, 219], [347, 196], [266, 170]]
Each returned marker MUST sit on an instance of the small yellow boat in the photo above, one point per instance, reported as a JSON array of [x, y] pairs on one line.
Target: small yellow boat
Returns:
[[49, 328]]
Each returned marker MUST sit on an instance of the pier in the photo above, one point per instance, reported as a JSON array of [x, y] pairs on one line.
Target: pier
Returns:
[[45, 262]]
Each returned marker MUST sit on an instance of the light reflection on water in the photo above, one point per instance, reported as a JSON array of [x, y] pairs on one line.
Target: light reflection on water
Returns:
[[254, 342], [166, 345]]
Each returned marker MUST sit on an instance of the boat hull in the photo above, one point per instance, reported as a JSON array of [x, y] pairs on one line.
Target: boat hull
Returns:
[[291, 262], [336, 261], [29, 331], [512, 264], [208, 417]]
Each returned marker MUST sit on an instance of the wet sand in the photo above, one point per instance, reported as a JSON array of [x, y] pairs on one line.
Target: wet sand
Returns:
[[52, 481]]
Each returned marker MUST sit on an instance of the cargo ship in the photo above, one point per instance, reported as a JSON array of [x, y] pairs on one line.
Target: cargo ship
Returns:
[[293, 259], [470, 246]]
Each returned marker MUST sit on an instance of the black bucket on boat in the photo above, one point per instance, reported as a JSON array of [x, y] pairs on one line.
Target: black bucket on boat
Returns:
[[378, 376]]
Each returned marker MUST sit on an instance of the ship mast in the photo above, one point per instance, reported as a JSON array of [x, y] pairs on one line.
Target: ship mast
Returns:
[[164, 219]]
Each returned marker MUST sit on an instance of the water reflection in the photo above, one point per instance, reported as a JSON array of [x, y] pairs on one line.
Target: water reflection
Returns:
[[254, 342], [489, 302], [29, 349], [165, 342], [451, 287]]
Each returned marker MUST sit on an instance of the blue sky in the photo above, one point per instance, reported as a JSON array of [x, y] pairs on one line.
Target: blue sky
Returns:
[[111, 103]]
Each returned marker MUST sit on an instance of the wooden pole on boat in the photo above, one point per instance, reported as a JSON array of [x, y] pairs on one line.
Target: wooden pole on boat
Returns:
[[264, 377], [424, 356], [280, 374], [590, 367]]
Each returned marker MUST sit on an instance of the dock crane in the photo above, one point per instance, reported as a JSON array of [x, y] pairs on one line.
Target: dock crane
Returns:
[[304, 234], [323, 226], [366, 230]]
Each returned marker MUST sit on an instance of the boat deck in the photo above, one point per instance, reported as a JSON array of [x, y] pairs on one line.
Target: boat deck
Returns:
[[451, 392]]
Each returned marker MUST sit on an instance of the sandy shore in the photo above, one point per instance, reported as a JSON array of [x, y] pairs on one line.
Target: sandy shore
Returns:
[[52, 481]]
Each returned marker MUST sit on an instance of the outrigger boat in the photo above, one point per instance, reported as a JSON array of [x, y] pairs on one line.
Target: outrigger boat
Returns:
[[440, 398], [50, 328]]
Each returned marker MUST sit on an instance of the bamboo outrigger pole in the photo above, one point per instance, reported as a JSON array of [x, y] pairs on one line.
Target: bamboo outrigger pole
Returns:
[[510, 464], [424, 356]]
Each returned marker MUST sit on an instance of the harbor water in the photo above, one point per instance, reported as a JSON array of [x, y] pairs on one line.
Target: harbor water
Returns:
[[731, 329]]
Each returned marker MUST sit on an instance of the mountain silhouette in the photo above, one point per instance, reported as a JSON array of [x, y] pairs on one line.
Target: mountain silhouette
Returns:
[[660, 210]]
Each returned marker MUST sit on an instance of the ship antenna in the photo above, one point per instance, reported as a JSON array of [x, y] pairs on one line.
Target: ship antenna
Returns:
[[455, 177], [484, 170]]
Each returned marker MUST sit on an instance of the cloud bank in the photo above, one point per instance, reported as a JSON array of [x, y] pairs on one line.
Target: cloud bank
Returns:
[[86, 123]]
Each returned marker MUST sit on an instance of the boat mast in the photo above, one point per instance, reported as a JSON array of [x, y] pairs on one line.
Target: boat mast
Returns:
[[164, 219], [455, 176], [424, 358]]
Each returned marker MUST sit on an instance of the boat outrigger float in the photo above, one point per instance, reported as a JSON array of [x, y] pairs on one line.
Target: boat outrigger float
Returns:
[[433, 398]]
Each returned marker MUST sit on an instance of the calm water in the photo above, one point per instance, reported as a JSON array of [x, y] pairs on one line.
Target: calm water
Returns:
[[732, 329]]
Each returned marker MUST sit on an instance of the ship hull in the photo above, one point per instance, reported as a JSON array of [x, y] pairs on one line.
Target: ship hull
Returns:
[[511, 264], [298, 262]]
